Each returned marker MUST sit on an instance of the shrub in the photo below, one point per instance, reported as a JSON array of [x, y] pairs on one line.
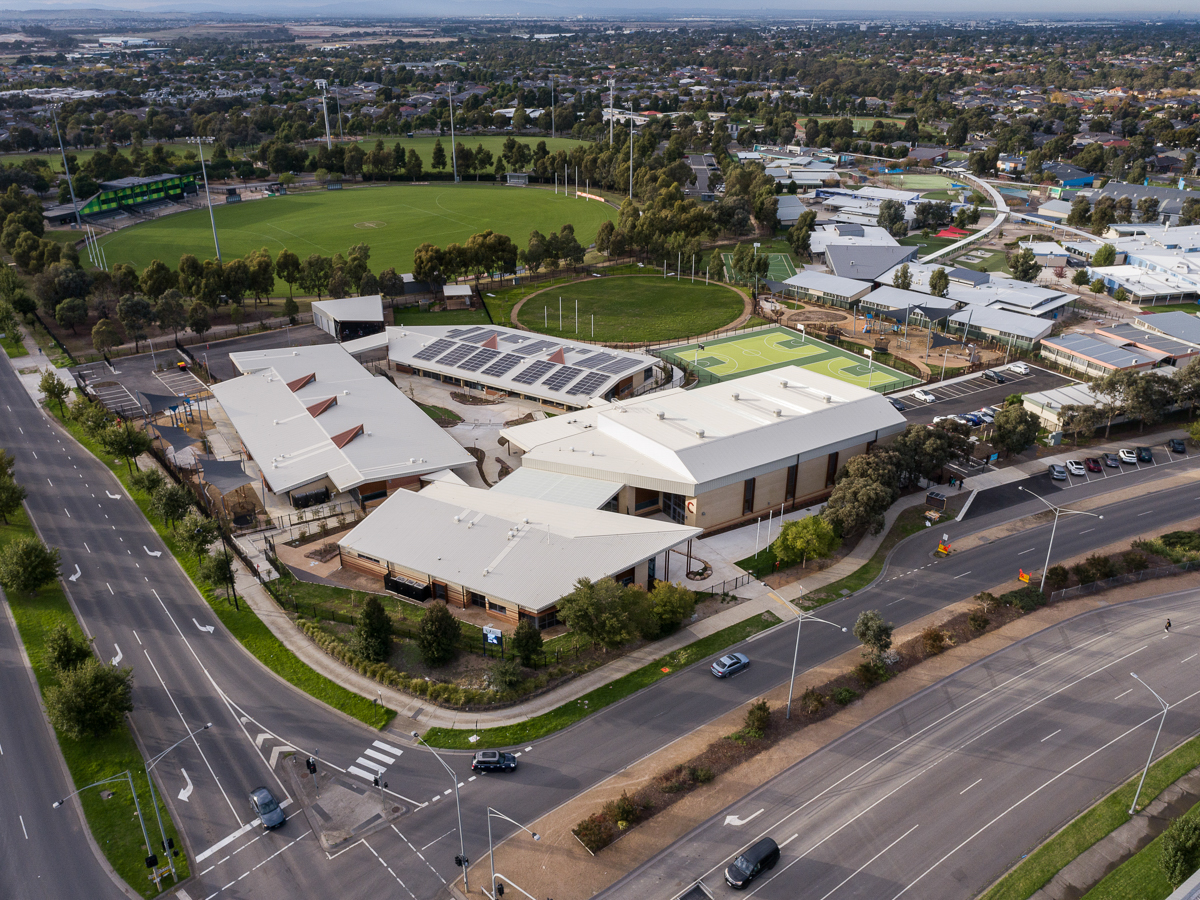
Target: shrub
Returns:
[[1182, 540], [987, 600], [506, 674], [595, 832], [845, 695], [758, 719], [933, 640], [812, 701], [1026, 599], [526, 642], [90, 700], [1102, 566], [701, 774], [1084, 572], [438, 635], [870, 672], [977, 620], [65, 651], [27, 564], [1057, 578], [624, 809], [147, 480], [1181, 850], [1135, 562]]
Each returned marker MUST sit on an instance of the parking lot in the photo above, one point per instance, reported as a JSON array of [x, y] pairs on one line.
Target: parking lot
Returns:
[[117, 386], [217, 353], [969, 394]]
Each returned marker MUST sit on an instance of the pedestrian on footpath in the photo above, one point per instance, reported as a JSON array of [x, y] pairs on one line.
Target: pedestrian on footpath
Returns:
[[1168, 628]]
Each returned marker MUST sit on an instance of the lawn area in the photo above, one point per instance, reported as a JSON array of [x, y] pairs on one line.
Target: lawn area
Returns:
[[1140, 877], [571, 712], [113, 821], [411, 315], [242, 622], [907, 523], [629, 309], [927, 244], [392, 219], [995, 262], [440, 413], [12, 346], [940, 195], [1177, 307]]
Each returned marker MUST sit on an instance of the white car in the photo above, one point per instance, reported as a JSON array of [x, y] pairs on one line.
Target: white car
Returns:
[[1075, 467], [1127, 456], [1020, 368], [924, 396], [986, 416]]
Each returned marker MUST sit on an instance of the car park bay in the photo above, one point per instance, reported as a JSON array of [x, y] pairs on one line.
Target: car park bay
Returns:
[[967, 395]]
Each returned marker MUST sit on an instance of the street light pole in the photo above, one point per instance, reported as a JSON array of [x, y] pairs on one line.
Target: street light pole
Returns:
[[66, 168], [462, 847], [124, 776], [200, 142], [1165, 706], [800, 618], [491, 849], [453, 153], [1058, 511], [150, 765]]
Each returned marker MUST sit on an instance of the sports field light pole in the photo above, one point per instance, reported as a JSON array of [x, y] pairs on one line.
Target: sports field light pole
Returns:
[[151, 859], [461, 841], [1058, 511], [491, 850], [1165, 706], [200, 142], [150, 765], [610, 112], [322, 84], [800, 619], [66, 168], [453, 154], [630, 151]]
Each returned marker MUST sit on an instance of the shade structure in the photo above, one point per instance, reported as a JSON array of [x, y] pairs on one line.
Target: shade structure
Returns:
[[156, 403], [178, 438], [224, 475]]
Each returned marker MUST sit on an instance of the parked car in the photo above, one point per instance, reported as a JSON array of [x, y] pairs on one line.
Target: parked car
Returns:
[[266, 808], [1177, 445], [973, 419], [1127, 456], [1093, 464], [994, 377], [986, 416], [900, 407], [1020, 368], [1057, 472], [493, 761], [937, 419], [761, 856], [924, 396], [730, 665], [1112, 460], [990, 410], [1075, 467], [1144, 455]]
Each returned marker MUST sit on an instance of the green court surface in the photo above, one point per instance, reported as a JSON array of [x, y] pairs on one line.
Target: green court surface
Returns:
[[782, 267], [723, 359], [918, 182]]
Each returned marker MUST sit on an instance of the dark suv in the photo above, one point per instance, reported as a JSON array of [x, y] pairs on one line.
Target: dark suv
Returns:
[[493, 761], [994, 377], [760, 857]]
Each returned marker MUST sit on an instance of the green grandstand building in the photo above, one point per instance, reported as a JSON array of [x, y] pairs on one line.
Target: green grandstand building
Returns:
[[125, 194]]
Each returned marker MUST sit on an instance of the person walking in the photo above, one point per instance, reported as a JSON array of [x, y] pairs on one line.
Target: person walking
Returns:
[[1168, 628]]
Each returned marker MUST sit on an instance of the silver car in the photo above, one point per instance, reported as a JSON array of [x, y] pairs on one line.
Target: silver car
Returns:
[[730, 665]]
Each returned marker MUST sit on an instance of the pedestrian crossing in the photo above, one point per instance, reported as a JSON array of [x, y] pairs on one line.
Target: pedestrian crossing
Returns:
[[380, 755]]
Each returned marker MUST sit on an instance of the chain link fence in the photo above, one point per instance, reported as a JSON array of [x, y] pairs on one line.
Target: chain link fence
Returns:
[[1095, 587]]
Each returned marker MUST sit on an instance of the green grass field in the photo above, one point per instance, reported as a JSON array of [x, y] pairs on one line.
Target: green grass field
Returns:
[[908, 182], [411, 315], [732, 357], [782, 267], [393, 220], [634, 308]]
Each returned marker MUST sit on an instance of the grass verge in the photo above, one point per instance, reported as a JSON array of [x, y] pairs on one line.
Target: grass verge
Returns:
[[13, 347], [1040, 866], [907, 523], [111, 821], [440, 413], [242, 623], [571, 712]]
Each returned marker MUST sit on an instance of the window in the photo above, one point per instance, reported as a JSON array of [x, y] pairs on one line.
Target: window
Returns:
[[496, 607], [790, 491], [478, 600], [439, 591], [547, 619], [675, 506], [748, 497], [831, 469]]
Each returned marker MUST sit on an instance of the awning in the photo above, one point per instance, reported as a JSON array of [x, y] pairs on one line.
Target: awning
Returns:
[[224, 475], [156, 403], [178, 438]]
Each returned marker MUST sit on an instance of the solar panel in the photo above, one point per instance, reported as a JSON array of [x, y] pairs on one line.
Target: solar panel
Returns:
[[623, 364], [483, 357], [533, 371], [535, 347], [457, 355], [560, 379], [480, 337], [503, 364], [459, 332], [437, 348], [596, 361], [513, 338], [589, 383]]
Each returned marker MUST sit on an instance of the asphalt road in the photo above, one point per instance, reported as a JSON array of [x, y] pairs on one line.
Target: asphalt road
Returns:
[[142, 608], [940, 795]]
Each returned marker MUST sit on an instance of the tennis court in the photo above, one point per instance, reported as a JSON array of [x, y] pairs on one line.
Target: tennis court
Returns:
[[782, 267], [731, 357]]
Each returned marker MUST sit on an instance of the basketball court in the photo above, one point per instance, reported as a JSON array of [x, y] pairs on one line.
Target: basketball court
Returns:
[[726, 358]]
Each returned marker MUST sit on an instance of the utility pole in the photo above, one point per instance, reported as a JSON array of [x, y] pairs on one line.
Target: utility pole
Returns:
[[322, 84], [337, 98], [552, 107]]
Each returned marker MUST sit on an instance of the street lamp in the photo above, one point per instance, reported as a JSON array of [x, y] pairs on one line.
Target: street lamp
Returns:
[[1165, 706], [462, 847], [151, 859], [200, 142], [1058, 511], [800, 618], [150, 765], [491, 850], [66, 168]]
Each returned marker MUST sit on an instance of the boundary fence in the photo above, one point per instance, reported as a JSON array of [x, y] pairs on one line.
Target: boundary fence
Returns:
[[730, 584], [1095, 587]]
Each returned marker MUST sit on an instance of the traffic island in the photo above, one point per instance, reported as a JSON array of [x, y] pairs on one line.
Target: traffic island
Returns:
[[339, 809]]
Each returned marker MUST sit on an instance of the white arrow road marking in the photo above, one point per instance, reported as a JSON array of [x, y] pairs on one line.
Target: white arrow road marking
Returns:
[[275, 751], [258, 741], [187, 791], [113, 496], [120, 656], [78, 572], [734, 820], [208, 628], [151, 552]]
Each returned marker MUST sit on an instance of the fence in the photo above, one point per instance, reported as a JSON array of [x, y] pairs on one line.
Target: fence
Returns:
[[61, 346], [731, 584], [1094, 587], [307, 522]]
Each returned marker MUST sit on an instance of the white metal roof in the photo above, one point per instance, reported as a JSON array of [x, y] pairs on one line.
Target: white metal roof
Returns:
[[687, 442], [352, 309], [828, 284], [1002, 320], [569, 489], [519, 362], [519, 550], [274, 416]]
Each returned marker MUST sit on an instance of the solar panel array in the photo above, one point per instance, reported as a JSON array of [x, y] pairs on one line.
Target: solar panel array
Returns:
[[502, 365], [596, 360], [533, 372], [536, 347], [458, 332], [588, 384], [480, 337], [482, 358], [437, 348], [621, 364], [560, 379], [457, 355], [514, 338]]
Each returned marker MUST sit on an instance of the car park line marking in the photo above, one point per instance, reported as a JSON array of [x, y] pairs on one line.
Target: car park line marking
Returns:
[[1050, 735], [1193, 656], [472, 778], [1119, 696], [527, 749], [518, 753], [871, 860], [969, 786]]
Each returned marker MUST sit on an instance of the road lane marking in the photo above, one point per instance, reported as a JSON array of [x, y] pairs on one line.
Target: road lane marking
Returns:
[[376, 767], [1085, 532], [789, 840], [23, 831], [375, 754], [369, 776], [969, 786], [964, 573], [1146, 513], [387, 747], [894, 602], [436, 839], [1119, 696], [871, 860], [139, 640], [1193, 656], [1030, 550], [67, 511], [86, 547], [1050, 735]]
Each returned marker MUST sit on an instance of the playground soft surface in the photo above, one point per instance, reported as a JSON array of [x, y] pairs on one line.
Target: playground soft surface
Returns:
[[723, 359], [393, 219]]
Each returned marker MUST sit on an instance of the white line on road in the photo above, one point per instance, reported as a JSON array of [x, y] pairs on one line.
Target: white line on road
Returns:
[[1030, 550], [788, 841], [1193, 656], [139, 640], [436, 839], [1085, 532], [26, 833], [375, 754], [120, 656], [109, 586], [369, 776], [964, 573], [1146, 513], [51, 482], [187, 791], [388, 747], [1050, 735], [86, 547], [871, 860], [969, 786], [67, 511], [894, 602], [78, 572], [1119, 696]]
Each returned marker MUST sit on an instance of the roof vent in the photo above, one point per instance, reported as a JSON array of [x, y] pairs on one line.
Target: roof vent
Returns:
[[736, 396], [662, 415], [470, 524], [457, 519], [345, 393], [779, 413], [783, 383], [274, 421], [827, 398], [699, 432], [525, 520]]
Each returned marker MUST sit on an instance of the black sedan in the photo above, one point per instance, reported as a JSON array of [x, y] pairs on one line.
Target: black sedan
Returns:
[[493, 761], [1177, 445], [266, 808]]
